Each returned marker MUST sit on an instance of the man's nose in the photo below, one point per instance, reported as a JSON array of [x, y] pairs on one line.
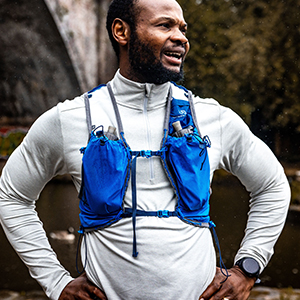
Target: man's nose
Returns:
[[179, 36]]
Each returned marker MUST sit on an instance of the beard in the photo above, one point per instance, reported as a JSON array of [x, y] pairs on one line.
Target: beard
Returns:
[[146, 66]]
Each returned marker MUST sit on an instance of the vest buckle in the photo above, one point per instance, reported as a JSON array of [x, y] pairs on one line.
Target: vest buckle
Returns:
[[163, 213]]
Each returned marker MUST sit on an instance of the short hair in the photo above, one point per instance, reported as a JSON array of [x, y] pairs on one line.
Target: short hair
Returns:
[[125, 10]]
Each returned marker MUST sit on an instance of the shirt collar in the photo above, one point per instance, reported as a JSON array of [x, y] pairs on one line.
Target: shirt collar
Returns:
[[132, 94]]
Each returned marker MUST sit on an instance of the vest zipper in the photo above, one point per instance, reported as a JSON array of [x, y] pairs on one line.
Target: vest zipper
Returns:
[[151, 165]]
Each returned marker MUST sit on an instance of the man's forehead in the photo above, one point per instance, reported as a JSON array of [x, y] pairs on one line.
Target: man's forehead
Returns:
[[159, 9]]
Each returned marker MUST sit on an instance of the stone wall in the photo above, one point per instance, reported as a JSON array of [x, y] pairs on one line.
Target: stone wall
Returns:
[[82, 27], [49, 51]]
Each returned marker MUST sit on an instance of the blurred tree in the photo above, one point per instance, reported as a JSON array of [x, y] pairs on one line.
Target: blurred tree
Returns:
[[208, 24], [245, 53]]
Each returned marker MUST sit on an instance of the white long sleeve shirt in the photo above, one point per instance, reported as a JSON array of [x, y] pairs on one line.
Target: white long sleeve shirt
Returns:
[[176, 260]]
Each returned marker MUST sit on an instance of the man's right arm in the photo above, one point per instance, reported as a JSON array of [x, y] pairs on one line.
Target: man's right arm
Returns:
[[30, 167]]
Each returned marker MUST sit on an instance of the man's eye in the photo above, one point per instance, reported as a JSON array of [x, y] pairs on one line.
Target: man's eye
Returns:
[[184, 31], [166, 25]]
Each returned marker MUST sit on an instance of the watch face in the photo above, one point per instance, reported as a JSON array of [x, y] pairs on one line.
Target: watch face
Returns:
[[251, 266]]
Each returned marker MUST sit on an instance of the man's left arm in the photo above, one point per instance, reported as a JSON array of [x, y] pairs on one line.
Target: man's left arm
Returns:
[[248, 158]]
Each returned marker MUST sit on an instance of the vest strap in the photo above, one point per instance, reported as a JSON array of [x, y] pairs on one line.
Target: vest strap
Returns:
[[115, 106], [136, 154], [143, 213]]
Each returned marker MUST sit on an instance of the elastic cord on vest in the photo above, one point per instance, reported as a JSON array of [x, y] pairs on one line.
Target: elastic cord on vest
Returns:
[[222, 265], [82, 236]]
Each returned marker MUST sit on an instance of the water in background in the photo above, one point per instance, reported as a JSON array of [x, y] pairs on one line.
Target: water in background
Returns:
[[58, 209]]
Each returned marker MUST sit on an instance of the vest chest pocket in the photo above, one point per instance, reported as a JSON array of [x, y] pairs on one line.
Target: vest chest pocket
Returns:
[[106, 166], [188, 164]]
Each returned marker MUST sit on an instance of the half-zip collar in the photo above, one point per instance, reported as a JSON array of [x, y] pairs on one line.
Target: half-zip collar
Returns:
[[132, 94]]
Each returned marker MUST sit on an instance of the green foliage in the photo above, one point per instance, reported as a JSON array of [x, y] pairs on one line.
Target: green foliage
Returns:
[[295, 192], [246, 55], [10, 141]]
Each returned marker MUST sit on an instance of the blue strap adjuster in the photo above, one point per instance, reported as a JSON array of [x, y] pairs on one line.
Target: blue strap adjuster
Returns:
[[146, 153], [163, 213]]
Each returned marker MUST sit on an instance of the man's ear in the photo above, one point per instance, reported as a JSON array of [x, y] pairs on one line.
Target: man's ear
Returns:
[[121, 31]]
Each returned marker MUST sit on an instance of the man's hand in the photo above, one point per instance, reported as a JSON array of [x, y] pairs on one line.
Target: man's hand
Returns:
[[81, 289], [236, 287]]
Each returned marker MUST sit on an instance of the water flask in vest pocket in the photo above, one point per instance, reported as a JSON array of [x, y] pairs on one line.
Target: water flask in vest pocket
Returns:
[[106, 163], [179, 132], [111, 133]]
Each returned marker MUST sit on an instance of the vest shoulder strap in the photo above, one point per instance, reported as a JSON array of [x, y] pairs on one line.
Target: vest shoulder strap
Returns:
[[88, 112]]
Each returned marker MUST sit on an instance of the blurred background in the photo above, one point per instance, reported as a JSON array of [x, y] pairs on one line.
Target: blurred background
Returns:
[[244, 53]]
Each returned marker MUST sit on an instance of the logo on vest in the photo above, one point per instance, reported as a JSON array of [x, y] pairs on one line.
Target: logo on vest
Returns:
[[182, 113]]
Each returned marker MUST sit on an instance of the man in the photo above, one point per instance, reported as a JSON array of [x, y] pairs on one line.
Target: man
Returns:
[[177, 259]]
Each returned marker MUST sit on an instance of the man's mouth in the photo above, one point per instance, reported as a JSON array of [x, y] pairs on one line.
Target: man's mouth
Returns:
[[174, 54], [174, 57]]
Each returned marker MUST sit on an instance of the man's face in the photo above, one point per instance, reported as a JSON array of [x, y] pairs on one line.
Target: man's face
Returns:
[[158, 45]]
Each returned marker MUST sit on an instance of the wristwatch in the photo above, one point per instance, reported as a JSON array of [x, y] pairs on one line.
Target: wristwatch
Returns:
[[250, 267]]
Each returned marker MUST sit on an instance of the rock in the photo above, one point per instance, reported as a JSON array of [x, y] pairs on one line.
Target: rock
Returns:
[[63, 235], [266, 293], [32, 295], [9, 295]]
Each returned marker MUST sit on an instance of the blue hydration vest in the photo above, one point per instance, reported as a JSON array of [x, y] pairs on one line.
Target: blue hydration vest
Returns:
[[108, 164]]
